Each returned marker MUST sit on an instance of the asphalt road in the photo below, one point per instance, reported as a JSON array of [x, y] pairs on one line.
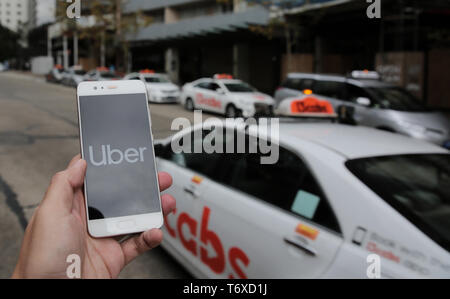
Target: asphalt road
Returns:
[[38, 136]]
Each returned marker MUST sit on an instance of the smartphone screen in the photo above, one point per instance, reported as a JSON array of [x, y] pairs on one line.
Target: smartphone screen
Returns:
[[118, 148]]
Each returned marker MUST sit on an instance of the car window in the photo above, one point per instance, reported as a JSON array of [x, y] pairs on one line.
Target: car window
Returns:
[[200, 161], [354, 92], [204, 85], [417, 186], [331, 89], [287, 184], [213, 86], [298, 83], [134, 78]]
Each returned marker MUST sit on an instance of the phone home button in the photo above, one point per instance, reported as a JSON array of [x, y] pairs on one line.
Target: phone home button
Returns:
[[126, 224]]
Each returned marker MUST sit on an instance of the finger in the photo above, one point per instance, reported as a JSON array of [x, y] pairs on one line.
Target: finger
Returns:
[[168, 204], [74, 160], [165, 181], [60, 193], [137, 245]]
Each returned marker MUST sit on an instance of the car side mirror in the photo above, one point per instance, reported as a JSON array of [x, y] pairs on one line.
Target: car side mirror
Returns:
[[220, 91], [363, 101]]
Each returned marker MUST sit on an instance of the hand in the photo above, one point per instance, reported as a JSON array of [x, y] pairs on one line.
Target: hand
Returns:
[[58, 229]]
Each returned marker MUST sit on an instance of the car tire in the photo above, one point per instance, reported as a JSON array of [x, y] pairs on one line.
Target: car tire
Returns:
[[189, 105], [231, 111]]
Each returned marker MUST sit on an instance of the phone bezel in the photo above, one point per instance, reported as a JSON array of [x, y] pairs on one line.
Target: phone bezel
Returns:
[[108, 227]]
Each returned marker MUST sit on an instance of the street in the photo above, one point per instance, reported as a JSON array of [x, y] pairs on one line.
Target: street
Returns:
[[38, 137]]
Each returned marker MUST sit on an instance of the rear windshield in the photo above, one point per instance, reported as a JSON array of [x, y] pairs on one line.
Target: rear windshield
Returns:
[[108, 75], [156, 80], [417, 186], [396, 98]]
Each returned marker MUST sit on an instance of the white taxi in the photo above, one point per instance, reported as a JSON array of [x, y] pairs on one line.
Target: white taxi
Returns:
[[340, 202], [225, 95], [160, 89]]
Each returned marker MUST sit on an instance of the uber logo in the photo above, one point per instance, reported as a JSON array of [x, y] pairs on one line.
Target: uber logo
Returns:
[[116, 156], [374, 9]]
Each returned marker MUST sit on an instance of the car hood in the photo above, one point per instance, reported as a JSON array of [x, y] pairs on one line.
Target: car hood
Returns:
[[428, 119], [162, 86], [254, 97]]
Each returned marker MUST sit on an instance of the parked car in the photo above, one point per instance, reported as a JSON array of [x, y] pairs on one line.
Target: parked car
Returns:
[[73, 76], [337, 195], [56, 74], [101, 74], [372, 103], [225, 95], [160, 89]]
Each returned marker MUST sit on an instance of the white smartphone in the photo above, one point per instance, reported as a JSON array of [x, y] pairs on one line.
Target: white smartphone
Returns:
[[121, 187]]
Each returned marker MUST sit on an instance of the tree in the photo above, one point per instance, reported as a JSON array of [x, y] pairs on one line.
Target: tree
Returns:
[[111, 26]]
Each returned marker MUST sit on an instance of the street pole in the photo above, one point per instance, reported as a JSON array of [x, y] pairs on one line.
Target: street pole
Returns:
[[75, 47], [65, 52]]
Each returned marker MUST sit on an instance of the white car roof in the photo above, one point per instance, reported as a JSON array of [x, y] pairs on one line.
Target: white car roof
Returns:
[[355, 142]]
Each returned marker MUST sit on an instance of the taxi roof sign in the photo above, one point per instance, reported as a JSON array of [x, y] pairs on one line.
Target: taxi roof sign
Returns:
[[223, 76], [102, 69], [147, 71], [365, 74], [311, 106]]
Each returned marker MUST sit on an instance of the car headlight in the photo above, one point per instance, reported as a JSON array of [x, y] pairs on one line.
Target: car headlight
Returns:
[[413, 127]]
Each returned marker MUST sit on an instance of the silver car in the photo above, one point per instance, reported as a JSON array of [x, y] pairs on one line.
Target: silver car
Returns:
[[372, 103]]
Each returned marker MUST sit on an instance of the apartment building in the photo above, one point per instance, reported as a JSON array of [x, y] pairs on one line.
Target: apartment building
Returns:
[[18, 14]]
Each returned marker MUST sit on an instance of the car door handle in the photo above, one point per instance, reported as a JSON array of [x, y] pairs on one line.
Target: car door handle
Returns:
[[302, 245], [191, 191]]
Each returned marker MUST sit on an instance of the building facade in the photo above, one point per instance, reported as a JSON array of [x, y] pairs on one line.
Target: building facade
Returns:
[[18, 15], [190, 39]]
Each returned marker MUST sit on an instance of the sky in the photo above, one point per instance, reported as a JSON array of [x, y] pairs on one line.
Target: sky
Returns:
[[45, 11]]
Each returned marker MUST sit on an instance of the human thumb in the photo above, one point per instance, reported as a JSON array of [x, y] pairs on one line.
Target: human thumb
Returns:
[[61, 191]]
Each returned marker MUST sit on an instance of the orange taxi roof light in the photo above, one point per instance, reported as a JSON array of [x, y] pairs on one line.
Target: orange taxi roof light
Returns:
[[223, 76], [102, 69], [147, 71], [311, 105], [307, 91], [58, 66]]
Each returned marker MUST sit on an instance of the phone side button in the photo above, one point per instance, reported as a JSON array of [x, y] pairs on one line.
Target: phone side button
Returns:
[[126, 224]]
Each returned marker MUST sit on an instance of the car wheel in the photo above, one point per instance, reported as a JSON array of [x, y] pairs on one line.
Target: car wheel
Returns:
[[189, 104], [231, 112]]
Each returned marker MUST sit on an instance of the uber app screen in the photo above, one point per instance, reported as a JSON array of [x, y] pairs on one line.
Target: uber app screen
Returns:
[[117, 145]]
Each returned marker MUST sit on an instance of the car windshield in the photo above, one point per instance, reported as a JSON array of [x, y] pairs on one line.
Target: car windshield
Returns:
[[417, 186], [80, 72], [396, 98], [239, 87], [156, 80], [108, 75]]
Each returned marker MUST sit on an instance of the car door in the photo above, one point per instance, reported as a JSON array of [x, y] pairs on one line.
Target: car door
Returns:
[[200, 95], [268, 221], [363, 114], [217, 97], [190, 171]]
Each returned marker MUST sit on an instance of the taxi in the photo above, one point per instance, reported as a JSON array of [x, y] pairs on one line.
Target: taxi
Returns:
[[340, 202], [160, 89], [224, 95], [101, 74]]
